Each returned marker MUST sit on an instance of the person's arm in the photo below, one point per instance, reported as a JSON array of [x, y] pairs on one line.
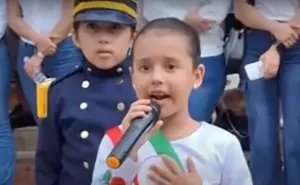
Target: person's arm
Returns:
[[48, 154], [296, 18], [141, 20], [63, 27], [235, 168], [103, 174], [217, 10], [250, 17], [15, 20], [16, 23], [205, 17]]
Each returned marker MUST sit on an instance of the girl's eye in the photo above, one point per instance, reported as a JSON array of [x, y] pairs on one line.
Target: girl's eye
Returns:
[[144, 68], [171, 66]]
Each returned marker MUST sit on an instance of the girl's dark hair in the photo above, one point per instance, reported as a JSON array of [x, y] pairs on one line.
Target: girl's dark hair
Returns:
[[178, 26]]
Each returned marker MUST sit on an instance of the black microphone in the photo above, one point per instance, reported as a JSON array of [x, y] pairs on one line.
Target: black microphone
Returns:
[[137, 130]]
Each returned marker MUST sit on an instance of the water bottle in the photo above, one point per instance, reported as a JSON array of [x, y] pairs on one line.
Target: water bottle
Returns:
[[39, 77]]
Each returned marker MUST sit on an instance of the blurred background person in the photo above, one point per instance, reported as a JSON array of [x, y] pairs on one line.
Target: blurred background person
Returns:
[[44, 27], [272, 23], [7, 154]]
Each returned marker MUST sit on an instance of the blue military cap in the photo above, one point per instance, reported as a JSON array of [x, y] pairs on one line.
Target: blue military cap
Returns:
[[116, 11]]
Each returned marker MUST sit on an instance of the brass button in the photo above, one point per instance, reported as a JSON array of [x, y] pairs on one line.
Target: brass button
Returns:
[[84, 134], [86, 165], [25, 59], [83, 105], [121, 106], [120, 81], [85, 84], [119, 70], [89, 69]]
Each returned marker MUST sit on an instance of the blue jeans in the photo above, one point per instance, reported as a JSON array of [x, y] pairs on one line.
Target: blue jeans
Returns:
[[262, 99], [62, 62], [203, 100], [7, 152]]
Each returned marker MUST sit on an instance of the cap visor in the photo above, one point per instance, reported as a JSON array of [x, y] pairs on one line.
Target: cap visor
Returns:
[[105, 16]]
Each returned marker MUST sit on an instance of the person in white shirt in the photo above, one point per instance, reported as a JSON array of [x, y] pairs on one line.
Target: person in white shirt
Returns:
[[7, 150], [46, 44], [166, 56], [206, 16], [273, 39]]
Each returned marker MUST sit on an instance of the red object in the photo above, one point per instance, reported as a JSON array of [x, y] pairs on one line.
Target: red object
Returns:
[[25, 174], [115, 134], [117, 181], [135, 180]]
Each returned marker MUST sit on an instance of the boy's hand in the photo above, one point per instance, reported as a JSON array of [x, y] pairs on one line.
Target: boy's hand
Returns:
[[172, 175], [139, 109]]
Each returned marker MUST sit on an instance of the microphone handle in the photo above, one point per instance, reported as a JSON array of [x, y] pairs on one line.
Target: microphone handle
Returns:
[[132, 136]]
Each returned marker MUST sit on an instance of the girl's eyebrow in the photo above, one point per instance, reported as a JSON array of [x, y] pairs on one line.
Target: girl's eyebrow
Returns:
[[144, 60], [170, 59]]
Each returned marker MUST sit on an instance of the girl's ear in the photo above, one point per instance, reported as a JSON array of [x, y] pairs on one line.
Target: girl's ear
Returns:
[[199, 76]]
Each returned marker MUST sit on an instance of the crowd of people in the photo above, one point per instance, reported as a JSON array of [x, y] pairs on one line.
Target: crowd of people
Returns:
[[105, 55]]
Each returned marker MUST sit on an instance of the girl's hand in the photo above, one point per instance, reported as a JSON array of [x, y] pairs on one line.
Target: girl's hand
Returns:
[[139, 109], [172, 175]]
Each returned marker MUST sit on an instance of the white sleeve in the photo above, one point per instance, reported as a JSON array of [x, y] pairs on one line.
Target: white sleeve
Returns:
[[216, 10], [235, 170], [206, 183], [102, 174]]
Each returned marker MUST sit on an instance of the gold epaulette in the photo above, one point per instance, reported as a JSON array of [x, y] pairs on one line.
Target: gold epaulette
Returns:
[[42, 92]]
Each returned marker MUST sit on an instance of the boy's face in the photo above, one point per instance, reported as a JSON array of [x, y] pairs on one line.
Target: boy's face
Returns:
[[104, 44], [163, 71]]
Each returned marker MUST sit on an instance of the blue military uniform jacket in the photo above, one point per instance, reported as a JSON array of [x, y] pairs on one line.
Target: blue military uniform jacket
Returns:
[[82, 106]]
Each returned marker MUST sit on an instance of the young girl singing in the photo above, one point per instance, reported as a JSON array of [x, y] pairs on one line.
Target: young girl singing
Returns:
[[166, 70]]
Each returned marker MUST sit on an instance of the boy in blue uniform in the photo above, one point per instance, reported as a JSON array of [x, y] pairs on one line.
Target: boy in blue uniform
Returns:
[[91, 99]]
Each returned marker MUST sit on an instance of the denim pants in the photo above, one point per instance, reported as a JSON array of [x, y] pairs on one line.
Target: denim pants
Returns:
[[61, 63], [203, 100], [7, 151], [262, 100]]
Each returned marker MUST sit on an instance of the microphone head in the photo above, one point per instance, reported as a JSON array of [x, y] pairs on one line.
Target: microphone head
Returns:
[[155, 108]]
